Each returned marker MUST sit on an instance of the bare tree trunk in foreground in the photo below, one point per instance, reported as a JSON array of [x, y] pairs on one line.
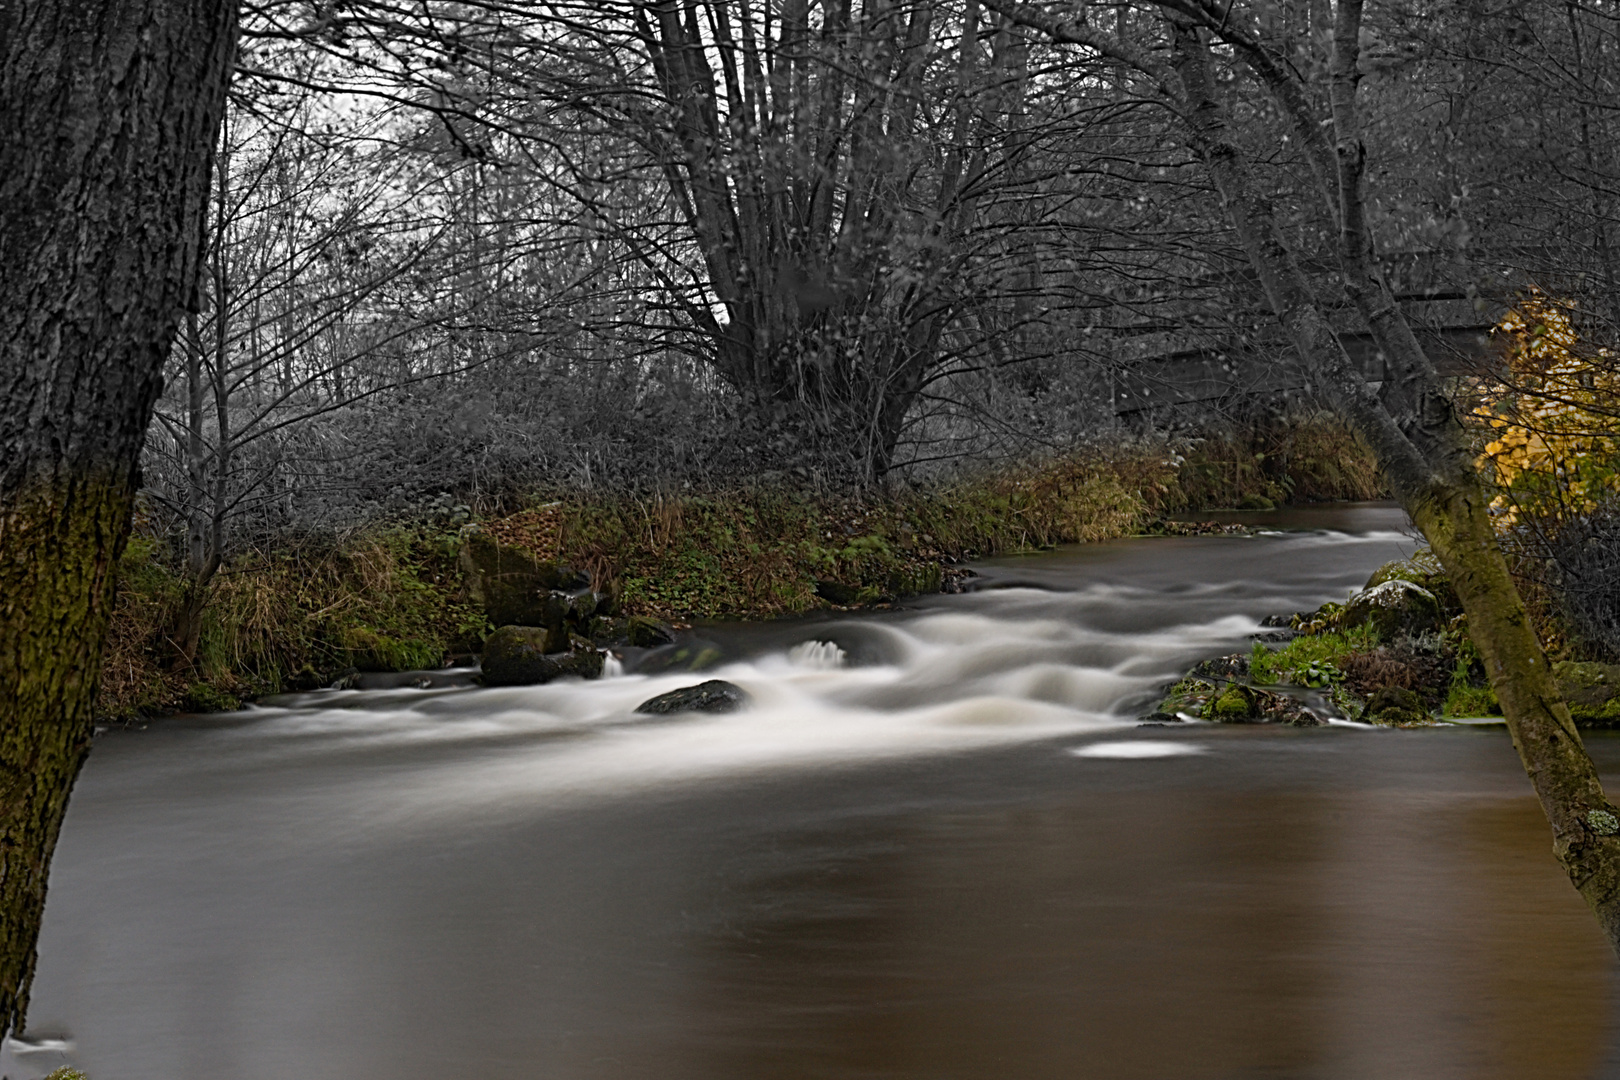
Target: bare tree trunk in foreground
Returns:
[[108, 110]]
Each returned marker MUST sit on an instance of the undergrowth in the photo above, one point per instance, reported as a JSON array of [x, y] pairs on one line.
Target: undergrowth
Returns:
[[391, 598]]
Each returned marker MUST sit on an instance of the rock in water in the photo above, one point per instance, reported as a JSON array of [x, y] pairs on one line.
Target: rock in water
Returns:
[[517, 656], [693, 655], [714, 696], [1394, 608]]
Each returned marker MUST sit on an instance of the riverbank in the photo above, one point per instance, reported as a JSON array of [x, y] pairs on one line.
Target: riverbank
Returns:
[[394, 598]]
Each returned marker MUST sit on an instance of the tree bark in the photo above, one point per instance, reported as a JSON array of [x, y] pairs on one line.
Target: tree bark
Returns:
[[109, 109]]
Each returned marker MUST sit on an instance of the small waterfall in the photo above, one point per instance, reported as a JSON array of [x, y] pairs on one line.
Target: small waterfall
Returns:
[[817, 656]]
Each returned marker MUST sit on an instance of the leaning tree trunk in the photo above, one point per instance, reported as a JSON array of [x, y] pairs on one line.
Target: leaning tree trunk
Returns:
[[1413, 430], [108, 111], [1410, 424]]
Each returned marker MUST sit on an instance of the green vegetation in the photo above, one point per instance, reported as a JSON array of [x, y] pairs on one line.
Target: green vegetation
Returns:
[[392, 597], [1314, 660], [385, 600]]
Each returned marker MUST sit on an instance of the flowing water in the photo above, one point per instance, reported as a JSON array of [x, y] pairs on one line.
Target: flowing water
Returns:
[[937, 847]]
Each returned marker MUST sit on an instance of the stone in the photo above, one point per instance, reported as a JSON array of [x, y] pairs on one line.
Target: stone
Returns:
[[1423, 569], [1235, 666], [714, 696], [648, 633], [1394, 609], [693, 655], [518, 656], [1188, 696], [1592, 691]]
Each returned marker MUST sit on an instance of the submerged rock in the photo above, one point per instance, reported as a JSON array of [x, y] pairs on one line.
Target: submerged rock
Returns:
[[1393, 609], [522, 656], [694, 655], [714, 696]]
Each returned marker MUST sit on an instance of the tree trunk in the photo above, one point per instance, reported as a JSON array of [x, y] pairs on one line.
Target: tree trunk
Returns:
[[1417, 439], [109, 109]]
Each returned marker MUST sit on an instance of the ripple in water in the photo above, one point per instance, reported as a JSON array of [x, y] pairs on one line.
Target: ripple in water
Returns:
[[1128, 749]]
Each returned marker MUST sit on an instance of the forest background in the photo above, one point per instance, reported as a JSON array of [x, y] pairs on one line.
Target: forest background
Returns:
[[719, 300]]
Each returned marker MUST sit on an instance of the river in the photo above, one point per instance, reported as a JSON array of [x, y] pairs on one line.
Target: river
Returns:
[[938, 847]]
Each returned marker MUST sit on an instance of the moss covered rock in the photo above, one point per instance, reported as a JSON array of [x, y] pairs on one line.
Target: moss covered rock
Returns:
[[1424, 571], [1393, 609], [694, 655], [521, 656], [1592, 691]]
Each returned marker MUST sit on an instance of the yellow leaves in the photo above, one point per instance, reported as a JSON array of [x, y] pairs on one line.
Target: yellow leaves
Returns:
[[1554, 448]]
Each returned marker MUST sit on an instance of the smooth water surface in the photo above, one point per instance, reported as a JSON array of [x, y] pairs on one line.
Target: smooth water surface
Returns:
[[937, 848]]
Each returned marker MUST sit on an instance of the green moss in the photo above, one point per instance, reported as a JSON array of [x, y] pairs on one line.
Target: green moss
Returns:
[[1236, 703], [1464, 700]]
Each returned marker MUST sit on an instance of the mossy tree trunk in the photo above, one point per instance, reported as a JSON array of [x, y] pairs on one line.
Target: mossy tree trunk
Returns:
[[109, 109], [1409, 422]]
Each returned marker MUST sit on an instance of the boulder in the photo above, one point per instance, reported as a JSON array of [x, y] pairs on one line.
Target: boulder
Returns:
[[1395, 706], [714, 696], [1424, 571], [1395, 608], [693, 655], [1592, 691], [518, 656]]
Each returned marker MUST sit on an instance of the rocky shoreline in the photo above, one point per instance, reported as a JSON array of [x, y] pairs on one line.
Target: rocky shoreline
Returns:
[[1394, 654]]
